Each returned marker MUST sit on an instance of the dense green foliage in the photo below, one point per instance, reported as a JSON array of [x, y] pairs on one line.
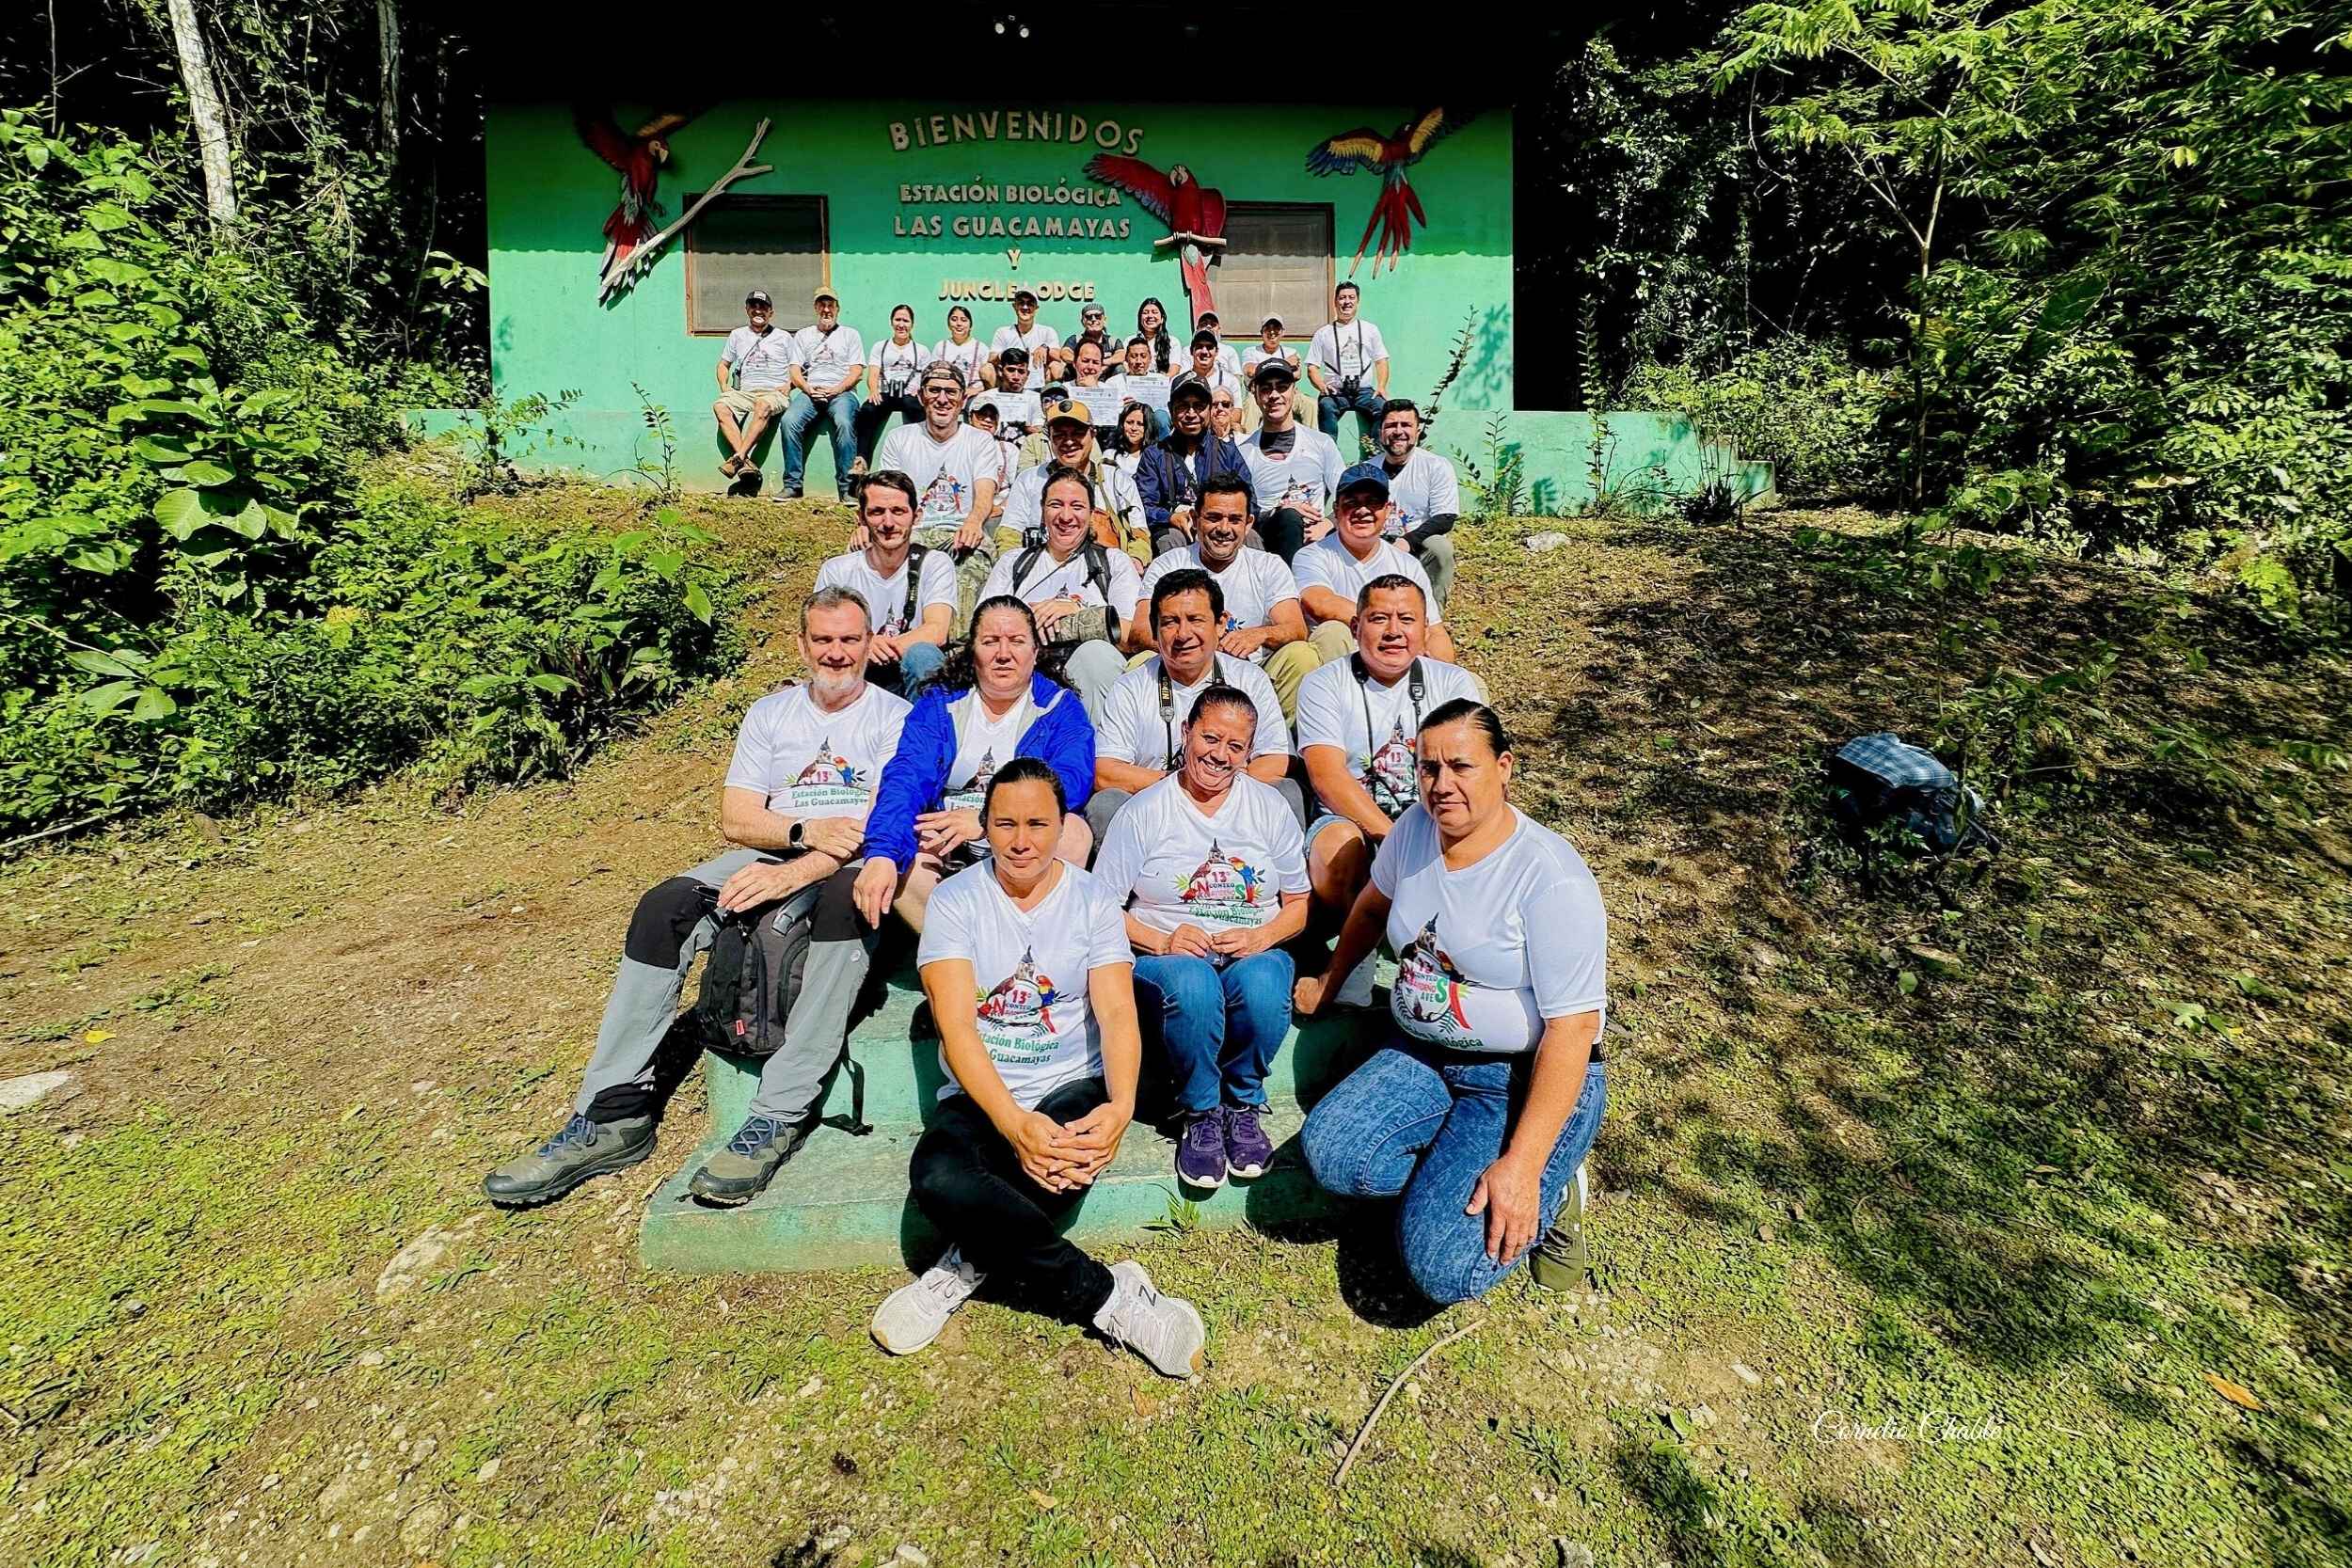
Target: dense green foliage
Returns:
[[197, 601]]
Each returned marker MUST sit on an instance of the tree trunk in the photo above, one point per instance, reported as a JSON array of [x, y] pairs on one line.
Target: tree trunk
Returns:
[[212, 122], [387, 75]]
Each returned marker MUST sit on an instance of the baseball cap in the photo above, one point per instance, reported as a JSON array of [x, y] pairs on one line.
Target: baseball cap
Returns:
[[824, 293], [759, 297], [939, 369], [1207, 319], [1204, 340], [1020, 294], [1072, 413], [1273, 369], [1364, 474], [985, 403], [1274, 322], [1188, 383]]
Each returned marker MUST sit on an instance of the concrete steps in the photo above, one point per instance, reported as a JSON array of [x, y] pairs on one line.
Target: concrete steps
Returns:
[[842, 1201]]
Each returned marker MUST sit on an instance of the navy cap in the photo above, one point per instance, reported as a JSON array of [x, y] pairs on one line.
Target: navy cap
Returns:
[[1363, 474]]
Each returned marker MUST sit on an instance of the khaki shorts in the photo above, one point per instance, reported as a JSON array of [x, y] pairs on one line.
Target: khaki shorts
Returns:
[[748, 404]]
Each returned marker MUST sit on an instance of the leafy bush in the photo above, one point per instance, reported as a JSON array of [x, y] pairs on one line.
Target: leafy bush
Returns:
[[1799, 405], [493, 651]]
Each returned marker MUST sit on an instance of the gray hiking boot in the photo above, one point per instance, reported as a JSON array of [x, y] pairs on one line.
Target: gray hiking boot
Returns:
[[1559, 1260], [583, 1149], [1166, 1330], [913, 1315], [758, 1149]]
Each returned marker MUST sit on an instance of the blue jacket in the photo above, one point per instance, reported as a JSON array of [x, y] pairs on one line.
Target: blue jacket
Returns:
[[916, 781], [1164, 477]]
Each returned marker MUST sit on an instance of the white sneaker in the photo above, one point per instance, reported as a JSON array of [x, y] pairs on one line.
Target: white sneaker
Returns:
[[1355, 990], [913, 1315], [1164, 1330]]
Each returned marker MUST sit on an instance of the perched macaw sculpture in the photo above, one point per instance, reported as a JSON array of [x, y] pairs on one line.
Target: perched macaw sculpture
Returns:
[[1394, 210], [1194, 212], [639, 158]]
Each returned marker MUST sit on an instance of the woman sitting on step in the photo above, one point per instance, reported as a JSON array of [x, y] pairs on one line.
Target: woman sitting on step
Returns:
[[987, 706], [1027, 967], [1480, 1111], [1213, 869]]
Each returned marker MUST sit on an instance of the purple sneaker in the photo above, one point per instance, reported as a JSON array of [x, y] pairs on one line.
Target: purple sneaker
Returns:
[[1200, 1154], [1248, 1150]]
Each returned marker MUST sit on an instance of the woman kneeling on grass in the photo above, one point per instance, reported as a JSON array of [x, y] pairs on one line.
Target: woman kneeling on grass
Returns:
[[1215, 868], [1041, 1087], [1481, 1111]]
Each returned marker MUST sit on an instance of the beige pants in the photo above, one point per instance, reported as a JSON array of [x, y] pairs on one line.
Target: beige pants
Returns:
[[1288, 665], [744, 405]]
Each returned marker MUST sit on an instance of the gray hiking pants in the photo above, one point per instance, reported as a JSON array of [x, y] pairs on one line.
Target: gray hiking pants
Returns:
[[674, 924]]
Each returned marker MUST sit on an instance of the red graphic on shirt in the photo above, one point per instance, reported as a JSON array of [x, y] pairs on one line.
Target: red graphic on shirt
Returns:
[[826, 769], [1023, 1002], [1428, 987]]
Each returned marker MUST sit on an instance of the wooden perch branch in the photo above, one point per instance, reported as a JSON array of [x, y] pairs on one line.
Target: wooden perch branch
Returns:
[[643, 257]]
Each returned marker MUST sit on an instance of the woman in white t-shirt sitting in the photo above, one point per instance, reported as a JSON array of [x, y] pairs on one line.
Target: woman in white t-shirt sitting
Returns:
[[1128, 444], [1029, 975], [1479, 1112], [1213, 869]]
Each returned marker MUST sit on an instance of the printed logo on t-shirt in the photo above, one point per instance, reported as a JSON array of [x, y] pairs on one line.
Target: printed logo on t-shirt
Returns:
[[829, 780], [972, 795], [1388, 774], [1224, 890], [943, 499], [1016, 1017], [1427, 997]]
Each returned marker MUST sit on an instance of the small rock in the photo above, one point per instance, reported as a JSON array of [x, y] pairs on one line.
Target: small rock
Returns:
[[811, 1387], [1573, 1554], [912, 1555], [411, 1263], [489, 1473], [1747, 1374], [423, 1526], [371, 1358], [24, 1092], [204, 919], [423, 1085], [1539, 543], [1935, 960]]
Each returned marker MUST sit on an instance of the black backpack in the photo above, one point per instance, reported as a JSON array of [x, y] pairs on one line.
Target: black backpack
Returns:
[[752, 977]]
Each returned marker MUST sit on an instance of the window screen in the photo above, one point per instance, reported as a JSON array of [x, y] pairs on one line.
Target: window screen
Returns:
[[1277, 262], [741, 243]]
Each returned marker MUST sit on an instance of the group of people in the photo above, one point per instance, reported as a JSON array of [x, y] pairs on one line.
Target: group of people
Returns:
[[1131, 850], [1147, 450]]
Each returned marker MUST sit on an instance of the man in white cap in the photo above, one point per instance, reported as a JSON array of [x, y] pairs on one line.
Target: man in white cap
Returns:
[[755, 382], [831, 362]]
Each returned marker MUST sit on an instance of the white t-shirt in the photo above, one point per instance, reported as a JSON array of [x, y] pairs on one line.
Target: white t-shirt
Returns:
[[966, 356], [901, 364], [1125, 463], [1253, 583], [1256, 354], [1134, 730], [827, 356], [805, 762], [1309, 471], [1345, 351], [1048, 580], [1426, 487], [1221, 379], [1486, 953], [1179, 866], [761, 360], [945, 472], [982, 746], [1115, 493], [1030, 971], [886, 596], [1328, 563], [1375, 726], [1037, 340]]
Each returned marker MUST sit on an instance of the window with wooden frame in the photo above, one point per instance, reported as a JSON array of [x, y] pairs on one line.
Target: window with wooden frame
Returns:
[[1277, 262], [741, 243]]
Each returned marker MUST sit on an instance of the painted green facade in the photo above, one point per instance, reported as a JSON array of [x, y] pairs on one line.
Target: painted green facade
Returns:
[[548, 197]]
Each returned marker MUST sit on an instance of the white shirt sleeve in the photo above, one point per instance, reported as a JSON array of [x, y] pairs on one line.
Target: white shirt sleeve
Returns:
[[1126, 585], [948, 923], [854, 354], [1401, 850], [999, 575], [730, 354], [754, 750], [1322, 717], [1445, 488], [1115, 737], [1567, 947], [1311, 568], [1022, 504], [1290, 851], [938, 585], [1376, 349], [1106, 931], [1120, 861], [1323, 348]]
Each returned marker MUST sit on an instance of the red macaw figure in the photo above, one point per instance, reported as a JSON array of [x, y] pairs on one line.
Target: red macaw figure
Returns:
[[1397, 208], [639, 159], [1194, 212]]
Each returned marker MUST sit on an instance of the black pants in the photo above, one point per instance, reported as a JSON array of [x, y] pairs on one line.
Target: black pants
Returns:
[[968, 1183], [874, 412], [1284, 529]]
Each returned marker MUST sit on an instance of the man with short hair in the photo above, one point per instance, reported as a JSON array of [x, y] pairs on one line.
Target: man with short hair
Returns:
[[956, 470], [910, 587], [1019, 411], [1357, 719], [1173, 469], [795, 802], [1070, 437], [1081, 592], [1136, 373], [832, 361], [1331, 571], [1348, 365], [1424, 498], [1207, 365], [755, 382], [1034, 339], [1263, 623], [1226, 360], [1091, 328], [1140, 738], [1293, 469]]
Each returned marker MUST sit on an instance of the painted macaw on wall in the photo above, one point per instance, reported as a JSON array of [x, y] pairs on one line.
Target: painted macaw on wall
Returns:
[[639, 158], [1397, 207], [1194, 212]]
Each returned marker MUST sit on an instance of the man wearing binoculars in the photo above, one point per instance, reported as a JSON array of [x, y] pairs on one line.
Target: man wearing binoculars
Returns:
[[1349, 367]]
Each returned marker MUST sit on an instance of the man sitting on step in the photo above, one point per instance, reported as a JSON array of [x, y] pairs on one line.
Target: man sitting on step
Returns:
[[1263, 623], [794, 803]]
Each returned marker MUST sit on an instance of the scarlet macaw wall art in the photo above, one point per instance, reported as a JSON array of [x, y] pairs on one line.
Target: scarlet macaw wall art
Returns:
[[632, 242], [1194, 212], [1397, 207]]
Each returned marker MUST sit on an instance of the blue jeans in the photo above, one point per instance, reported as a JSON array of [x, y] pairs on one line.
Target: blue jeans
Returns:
[[798, 416], [1221, 1028], [1367, 405], [1426, 1126], [917, 669]]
